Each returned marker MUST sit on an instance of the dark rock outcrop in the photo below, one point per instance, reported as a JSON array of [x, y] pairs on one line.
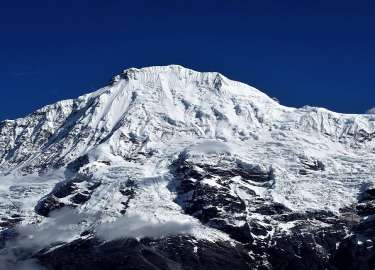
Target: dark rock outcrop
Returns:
[[177, 252]]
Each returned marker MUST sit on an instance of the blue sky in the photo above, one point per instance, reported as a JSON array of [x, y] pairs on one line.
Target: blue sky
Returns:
[[320, 53]]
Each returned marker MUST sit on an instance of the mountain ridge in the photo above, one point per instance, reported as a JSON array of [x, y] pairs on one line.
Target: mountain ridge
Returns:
[[214, 161], [152, 75]]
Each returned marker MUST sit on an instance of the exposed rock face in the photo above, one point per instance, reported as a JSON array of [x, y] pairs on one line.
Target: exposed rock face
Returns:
[[170, 253], [168, 168], [219, 194]]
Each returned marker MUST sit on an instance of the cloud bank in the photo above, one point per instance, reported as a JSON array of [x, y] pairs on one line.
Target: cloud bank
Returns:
[[137, 227], [61, 226], [66, 224]]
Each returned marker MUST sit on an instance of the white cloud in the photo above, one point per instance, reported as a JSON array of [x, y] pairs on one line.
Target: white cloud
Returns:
[[67, 224], [61, 226], [137, 227], [371, 111], [211, 147]]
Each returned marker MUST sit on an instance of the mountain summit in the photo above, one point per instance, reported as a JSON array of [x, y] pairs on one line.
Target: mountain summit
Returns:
[[169, 168]]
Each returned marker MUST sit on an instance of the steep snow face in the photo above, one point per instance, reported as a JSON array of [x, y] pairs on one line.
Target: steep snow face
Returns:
[[132, 131], [149, 104], [160, 104]]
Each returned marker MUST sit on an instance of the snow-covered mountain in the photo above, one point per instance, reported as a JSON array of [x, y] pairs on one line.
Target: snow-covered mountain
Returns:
[[169, 168]]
